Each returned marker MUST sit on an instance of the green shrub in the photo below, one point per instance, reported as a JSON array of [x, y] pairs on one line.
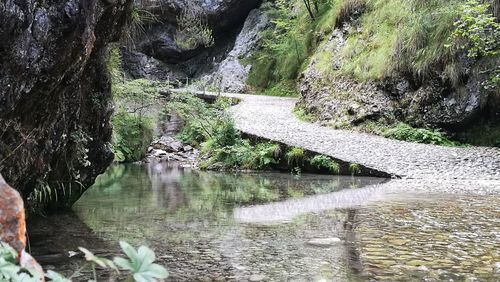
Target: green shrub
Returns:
[[478, 32], [301, 114], [478, 29], [354, 169], [286, 45], [192, 30], [202, 121], [325, 162], [295, 156], [209, 127], [225, 133], [405, 132], [136, 95], [282, 89], [132, 135]]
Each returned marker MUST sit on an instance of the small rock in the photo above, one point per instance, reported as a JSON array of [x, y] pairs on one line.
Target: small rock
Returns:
[[158, 153], [323, 242], [257, 278]]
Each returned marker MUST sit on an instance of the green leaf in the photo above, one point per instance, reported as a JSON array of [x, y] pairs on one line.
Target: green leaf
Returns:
[[124, 263], [56, 277]]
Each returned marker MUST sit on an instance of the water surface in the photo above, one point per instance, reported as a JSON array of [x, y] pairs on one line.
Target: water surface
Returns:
[[208, 226], [202, 225]]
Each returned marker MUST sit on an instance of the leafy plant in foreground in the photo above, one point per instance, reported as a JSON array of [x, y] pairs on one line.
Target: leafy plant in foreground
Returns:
[[139, 263]]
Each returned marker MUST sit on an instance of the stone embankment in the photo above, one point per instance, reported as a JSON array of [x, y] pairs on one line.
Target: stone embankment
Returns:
[[272, 118]]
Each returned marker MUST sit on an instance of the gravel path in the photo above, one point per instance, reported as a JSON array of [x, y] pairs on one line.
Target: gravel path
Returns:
[[272, 118]]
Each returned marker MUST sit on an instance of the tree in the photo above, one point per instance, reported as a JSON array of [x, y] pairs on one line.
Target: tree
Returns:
[[309, 4]]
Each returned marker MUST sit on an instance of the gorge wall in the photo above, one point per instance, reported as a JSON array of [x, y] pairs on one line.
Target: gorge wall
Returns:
[[155, 54], [55, 94]]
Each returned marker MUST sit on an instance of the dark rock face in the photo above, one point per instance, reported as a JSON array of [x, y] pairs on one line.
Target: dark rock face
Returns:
[[55, 92], [158, 41]]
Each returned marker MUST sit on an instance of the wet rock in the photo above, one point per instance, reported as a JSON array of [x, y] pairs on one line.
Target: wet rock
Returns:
[[13, 225], [324, 242], [158, 153], [139, 65], [12, 221], [169, 149], [55, 92]]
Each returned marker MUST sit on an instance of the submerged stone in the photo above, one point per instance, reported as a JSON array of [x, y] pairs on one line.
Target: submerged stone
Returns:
[[323, 242]]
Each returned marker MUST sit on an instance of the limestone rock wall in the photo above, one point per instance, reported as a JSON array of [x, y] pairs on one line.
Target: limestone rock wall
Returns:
[[155, 55]]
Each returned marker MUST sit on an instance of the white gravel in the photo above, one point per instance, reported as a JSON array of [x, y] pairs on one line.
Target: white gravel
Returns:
[[272, 118]]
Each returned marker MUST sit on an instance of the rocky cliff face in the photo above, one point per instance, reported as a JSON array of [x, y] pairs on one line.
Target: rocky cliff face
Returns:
[[55, 96], [156, 54], [344, 101], [231, 74]]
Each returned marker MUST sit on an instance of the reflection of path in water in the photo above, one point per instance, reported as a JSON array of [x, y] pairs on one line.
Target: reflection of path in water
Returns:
[[289, 209]]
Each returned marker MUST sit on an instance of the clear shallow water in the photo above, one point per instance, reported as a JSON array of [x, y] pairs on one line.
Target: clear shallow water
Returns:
[[194, 221], [208, 226]]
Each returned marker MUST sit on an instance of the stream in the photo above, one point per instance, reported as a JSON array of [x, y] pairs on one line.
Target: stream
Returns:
[[211, 226]]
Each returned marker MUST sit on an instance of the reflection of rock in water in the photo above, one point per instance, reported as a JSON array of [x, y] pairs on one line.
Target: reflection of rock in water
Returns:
[[287, 210], [165, 184]]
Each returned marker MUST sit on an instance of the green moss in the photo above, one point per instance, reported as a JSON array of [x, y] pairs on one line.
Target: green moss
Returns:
[[286, 47], [325, 162], [388, 37], [354, 169], [295, 156]]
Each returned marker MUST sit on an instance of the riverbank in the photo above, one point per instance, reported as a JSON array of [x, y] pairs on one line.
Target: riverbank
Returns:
[[272, 118]]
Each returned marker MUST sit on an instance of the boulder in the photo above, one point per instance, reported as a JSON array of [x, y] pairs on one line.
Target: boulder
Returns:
[[221, 15], [55, 92], [12, 218], [13, 225]]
